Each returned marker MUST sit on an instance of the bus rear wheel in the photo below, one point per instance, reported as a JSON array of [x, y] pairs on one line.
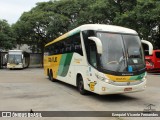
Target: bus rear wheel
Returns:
[[51, 76], [80, 86]]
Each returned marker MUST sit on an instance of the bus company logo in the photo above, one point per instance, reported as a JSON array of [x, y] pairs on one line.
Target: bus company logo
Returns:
[[52, 59]]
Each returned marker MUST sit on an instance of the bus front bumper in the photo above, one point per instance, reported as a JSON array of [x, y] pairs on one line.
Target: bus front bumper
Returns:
[[105, 88], [12, 66]]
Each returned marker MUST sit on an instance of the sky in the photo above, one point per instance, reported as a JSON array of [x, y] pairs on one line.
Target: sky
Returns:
[[11, 10]]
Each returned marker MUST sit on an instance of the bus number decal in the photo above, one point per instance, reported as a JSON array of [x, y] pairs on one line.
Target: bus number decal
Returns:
[[92, 85]]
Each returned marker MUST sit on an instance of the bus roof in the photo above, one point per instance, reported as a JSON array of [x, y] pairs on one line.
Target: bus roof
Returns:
[[15, 50], [96, 27]]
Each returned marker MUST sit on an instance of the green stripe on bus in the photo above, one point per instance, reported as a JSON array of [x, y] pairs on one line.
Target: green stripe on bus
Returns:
[[61, 65], [64, 64], [138, 77]]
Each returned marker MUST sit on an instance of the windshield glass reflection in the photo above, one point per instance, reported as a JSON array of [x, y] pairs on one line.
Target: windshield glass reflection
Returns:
[[14, 59], [121, 51]]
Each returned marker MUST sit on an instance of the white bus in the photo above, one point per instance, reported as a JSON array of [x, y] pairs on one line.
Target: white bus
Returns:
[[17, 59], [104, 59]]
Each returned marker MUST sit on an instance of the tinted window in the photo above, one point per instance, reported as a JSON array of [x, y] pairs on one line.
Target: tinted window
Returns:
[[113, 51], [157, 54], [68, 45], [121, 52], [90, 47]]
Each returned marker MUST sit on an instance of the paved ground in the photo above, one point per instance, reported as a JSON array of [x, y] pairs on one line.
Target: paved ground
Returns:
[[22, 90]]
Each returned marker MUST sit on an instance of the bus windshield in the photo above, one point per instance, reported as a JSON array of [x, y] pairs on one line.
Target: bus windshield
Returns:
[[14, 58], [121, 51]]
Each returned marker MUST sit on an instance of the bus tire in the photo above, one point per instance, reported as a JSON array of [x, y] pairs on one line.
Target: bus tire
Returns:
[[51, 76], [48, 74], [80, 86]]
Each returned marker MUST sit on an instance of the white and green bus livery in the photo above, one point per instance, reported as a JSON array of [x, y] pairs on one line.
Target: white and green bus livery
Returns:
[[104, 59]]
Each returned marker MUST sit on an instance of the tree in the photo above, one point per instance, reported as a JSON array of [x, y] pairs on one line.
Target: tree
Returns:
[[144, 18], [99, 12], [125, 5], [7, 38], [48, 20], [32, 27]]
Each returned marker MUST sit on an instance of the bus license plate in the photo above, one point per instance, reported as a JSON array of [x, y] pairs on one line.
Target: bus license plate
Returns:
[[127, 89]]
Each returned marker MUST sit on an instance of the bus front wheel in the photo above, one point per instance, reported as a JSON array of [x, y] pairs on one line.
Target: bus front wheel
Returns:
[[81, 86]]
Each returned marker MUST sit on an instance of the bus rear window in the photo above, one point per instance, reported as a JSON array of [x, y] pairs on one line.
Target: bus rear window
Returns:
[[157, 54]]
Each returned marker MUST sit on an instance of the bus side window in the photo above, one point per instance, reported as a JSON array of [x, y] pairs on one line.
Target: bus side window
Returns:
[[77, 44], [68, 45], [68, 49], [72, 47], [56, 49], [51, 50], [157, 54], [60, 47]]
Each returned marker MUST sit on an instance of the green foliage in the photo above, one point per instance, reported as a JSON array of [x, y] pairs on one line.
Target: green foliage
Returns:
[[7, 40], [144, 18], [49, 20], [32, 27]]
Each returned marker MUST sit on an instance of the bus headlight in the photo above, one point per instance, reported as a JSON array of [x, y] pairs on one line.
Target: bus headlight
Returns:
[[104, 79], [108, 81], [100, 77]]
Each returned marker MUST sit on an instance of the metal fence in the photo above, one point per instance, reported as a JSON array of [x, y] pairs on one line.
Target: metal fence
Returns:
[[36, 60]]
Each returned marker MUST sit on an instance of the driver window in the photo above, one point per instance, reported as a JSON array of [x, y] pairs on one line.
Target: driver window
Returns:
[[92, 55], [91, 49]]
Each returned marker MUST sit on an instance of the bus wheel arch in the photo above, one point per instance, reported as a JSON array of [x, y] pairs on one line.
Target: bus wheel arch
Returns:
[[80, 84]]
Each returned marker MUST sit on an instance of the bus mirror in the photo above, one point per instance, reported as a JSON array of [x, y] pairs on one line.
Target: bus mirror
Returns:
[[98, 43], [150, 46], [22, 56], [6, 55]]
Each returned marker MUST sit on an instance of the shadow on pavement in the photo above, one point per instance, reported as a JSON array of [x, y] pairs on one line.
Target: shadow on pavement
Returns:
[[110, 97]]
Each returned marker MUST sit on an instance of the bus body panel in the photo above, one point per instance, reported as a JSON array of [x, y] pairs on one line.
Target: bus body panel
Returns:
[[92, 78], [153, 61], [105, 88], [100, 83]]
